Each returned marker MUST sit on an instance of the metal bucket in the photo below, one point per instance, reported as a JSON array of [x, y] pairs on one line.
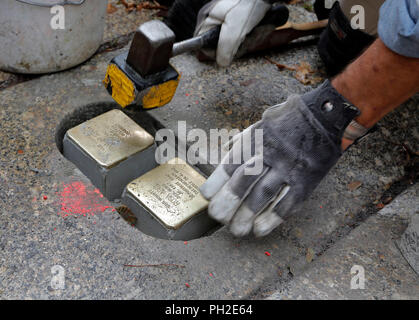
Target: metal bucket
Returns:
[[35, 38]]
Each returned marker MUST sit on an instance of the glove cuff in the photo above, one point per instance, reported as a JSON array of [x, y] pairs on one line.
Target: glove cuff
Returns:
[[331, 109]]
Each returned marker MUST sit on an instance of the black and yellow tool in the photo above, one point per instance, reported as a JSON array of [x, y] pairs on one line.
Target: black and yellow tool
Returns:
[[144, 77]]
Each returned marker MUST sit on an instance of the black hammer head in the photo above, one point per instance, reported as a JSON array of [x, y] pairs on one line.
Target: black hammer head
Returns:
[[143, 76], [128, 87], [151, 48]]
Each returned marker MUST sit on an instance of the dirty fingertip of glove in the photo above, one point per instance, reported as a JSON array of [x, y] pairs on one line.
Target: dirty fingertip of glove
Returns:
[[226, 50], [265, 223], [214, 183], [223, 61], [242, 222], [223, 205]]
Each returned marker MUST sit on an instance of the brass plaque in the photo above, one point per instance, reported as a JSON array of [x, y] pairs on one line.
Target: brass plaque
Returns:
[[110, 138], [170, 192]]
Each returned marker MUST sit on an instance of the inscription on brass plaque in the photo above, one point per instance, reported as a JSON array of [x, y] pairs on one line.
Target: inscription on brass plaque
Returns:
[[170, 192], [110, 138]]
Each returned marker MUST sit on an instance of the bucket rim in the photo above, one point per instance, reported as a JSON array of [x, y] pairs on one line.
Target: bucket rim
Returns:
[[51, 3]]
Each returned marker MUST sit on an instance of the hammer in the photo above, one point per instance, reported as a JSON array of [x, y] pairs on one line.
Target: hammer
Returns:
[[144, 77]]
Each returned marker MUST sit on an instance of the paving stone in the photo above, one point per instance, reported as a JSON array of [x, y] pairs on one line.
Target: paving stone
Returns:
[[372, 247]]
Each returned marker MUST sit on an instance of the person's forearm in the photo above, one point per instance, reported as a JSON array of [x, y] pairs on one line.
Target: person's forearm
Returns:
[[378, 82]]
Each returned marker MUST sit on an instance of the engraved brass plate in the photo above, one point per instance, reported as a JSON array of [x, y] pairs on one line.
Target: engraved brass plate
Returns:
[[170, 192], [110, 138]]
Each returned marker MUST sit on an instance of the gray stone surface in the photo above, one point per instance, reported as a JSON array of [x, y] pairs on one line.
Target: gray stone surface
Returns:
[[409, 243], [373, 246], [50, 214], [404, 206], [120, 23]]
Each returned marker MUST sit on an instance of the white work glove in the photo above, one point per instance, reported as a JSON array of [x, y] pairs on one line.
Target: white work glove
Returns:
[[301, 143], [237, 18]]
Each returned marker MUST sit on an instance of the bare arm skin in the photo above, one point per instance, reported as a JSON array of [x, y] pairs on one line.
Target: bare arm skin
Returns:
[[377, 83]]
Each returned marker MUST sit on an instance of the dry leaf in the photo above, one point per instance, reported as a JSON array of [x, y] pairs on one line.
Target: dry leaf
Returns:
[[354, 185], [127, 214], [387, 200], [310, 255], [124, 3], [298, 233], [111, 8], [153, 6], [303, 71], [280, 66], [131, 7]]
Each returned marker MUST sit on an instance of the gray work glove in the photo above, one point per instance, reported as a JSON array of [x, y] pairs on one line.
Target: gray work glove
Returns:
[[301, 143], [237, 18]]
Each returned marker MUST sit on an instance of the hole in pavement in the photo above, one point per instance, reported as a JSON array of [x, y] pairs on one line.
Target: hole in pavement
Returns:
[[90, 111], [127, 214]]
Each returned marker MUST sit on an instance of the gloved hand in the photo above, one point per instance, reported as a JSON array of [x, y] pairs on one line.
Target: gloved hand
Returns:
[[237, 17], [301, 143]]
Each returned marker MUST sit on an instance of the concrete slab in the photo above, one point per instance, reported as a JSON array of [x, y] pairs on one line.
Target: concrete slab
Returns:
[[120, 23], [372, 247], [409, 243], [51, 215]]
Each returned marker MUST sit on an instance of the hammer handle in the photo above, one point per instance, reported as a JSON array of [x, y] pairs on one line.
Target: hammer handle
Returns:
[[277, 15], [206, 39]]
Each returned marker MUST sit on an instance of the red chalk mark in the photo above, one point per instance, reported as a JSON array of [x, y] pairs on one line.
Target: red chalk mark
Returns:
[[186, 242], [267, 253], [321, 207], [211, 275], [187, 94], [78, 200], [45, 197], [187, 285], [98, 193]]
